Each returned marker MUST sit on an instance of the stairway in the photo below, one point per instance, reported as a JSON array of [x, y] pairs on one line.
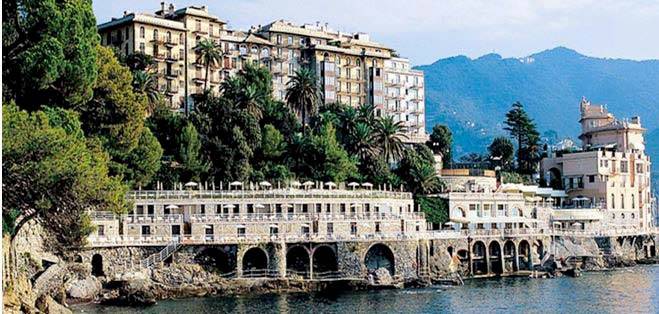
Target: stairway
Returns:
[[166, 252]]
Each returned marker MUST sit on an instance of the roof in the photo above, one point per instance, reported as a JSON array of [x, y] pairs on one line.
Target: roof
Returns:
[[241, 37], [142, 18], [197, 11]]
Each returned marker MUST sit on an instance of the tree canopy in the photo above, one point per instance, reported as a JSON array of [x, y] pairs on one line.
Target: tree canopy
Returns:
[[522, 129], [53, 173], [48, 52]]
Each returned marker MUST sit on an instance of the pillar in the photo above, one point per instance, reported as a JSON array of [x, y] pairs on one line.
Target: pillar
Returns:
[[280, 259]]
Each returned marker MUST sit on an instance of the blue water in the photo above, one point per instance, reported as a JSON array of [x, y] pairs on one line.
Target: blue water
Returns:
[[629, 290]]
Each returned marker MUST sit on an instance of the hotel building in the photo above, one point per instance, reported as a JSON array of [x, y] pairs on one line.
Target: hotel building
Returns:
[[611, 172], [350, 67]]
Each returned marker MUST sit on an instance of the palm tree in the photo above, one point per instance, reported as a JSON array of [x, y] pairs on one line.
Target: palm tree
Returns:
[[362, 141], [366, 113], [208, 53], [425, 179], [147, 83], [390, 136], [250, 100], [302, 93]]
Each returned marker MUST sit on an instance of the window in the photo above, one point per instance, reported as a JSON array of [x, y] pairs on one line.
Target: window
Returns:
[[155, 34], [305, 230], [241, 232], [353, 228], [142, 48], [377, 227], [169, 37], [274, 230], [176, 230], [330, 228], [202, 209], [198, 25], [624, 166], [613, 201], [278, 39], [210, 29], [591, 179], [290, 40], [343, 208], [142, 32], [622, 201], [181, 39], [146, 230], [633, 201], [254, 50], [101, 230]]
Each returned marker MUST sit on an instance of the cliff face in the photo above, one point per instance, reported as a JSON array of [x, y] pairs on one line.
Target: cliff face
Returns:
[[602, 252], [28, 273]]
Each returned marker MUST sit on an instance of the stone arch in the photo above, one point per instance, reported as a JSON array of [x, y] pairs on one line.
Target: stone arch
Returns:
[[380, 256], [496, 256], [324, 259], [215, 258], [297, 260], [479, 258], [79, 258], [524, 255], [97, 265], [460, 212], [555, 179], [254, 259], [510, 256]]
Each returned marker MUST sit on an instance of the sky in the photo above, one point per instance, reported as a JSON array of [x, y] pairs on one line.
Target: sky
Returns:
[[426, 30]]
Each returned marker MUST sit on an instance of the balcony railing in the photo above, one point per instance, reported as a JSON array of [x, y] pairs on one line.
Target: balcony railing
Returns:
[[274, 193]]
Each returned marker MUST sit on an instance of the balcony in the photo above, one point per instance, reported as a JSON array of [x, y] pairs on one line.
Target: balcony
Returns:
[[172, 74], [159, 57], [200, 31], [172, 58]]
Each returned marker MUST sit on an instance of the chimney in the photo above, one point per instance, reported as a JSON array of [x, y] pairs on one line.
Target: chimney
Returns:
[[162, 7], [171, 8], [125, 13]]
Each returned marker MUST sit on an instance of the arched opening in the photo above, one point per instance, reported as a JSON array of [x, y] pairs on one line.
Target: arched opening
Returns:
[[380, 256], [479, 258], [555, 180], [97, 265], [297, 261], [215, 259], [450, 251], [324, 260], [509, 253], [255, 261], [495, 257], [524, 256], [78, 258]]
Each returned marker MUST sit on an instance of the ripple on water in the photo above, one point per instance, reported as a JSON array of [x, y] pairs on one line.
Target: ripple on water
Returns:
[[630, 290]]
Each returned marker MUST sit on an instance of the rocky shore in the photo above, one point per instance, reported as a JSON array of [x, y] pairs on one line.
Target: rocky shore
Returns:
[[36, 281]]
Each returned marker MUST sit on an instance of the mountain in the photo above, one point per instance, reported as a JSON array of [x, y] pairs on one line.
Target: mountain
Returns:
[[473, 95]]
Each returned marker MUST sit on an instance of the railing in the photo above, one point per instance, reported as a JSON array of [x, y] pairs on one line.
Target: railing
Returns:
[[162, 255], [274, 193], [286, 217]]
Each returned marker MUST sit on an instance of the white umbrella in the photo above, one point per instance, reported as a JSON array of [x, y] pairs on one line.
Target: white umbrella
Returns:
[[367, 184], [228, 206], [172, 206], [265, 183], [353, 185], [235, 183], [330, 184], [190, 184], [308, 183], [286, 205], [259, 206], [296, 183]]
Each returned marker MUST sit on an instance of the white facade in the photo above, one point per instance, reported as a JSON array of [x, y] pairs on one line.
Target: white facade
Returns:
[[405, 97]]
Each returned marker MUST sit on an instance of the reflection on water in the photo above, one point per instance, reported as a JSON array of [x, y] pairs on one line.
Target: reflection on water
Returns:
[[630, 290]]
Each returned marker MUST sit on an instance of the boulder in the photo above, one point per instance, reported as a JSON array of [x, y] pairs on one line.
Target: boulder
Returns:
[[381, 276], [48, 305], [84, 289]]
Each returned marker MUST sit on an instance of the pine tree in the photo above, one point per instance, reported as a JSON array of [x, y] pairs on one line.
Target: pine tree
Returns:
[[524, 132]]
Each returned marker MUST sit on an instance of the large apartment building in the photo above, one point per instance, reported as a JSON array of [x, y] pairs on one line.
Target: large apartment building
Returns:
[[611, 171], [351, 68]]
